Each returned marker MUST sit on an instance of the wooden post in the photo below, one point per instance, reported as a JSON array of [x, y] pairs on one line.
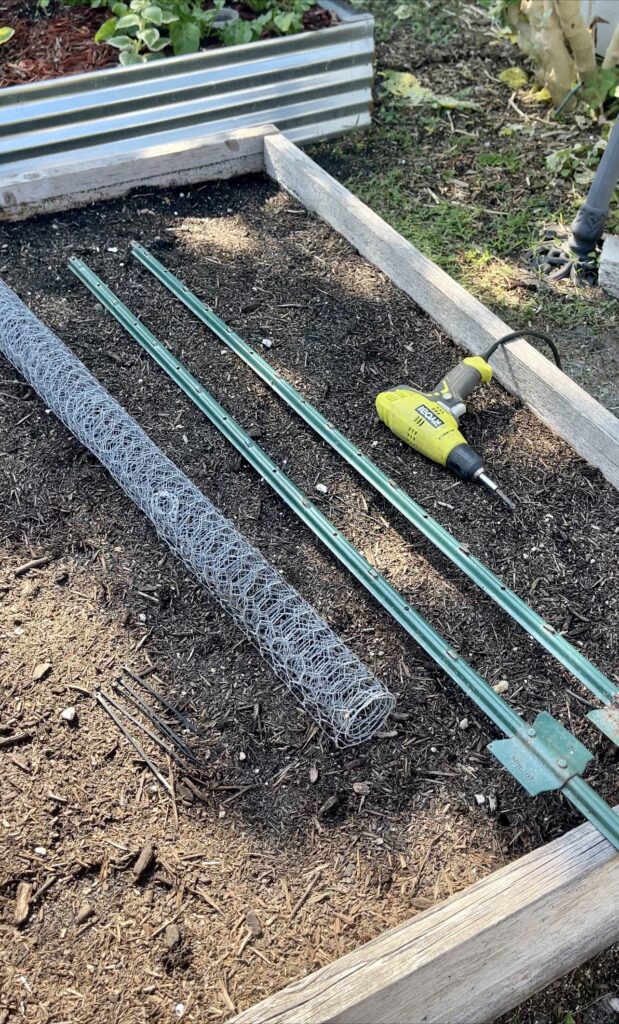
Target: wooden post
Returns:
[[557, 400], [477, 955]]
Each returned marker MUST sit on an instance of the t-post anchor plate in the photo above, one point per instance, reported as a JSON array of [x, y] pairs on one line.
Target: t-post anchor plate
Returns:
[[542, 757]]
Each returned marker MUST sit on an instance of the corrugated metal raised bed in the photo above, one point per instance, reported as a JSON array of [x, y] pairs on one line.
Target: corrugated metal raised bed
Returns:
[[312, 85]]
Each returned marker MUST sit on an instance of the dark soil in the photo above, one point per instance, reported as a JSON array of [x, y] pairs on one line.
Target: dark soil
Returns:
[[111, 596], [60, 40]]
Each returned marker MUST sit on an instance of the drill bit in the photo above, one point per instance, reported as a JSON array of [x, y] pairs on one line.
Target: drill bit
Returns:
[[490, 484]]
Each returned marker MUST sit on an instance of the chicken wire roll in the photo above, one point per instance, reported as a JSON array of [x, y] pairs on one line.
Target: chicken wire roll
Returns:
[[326, 677]]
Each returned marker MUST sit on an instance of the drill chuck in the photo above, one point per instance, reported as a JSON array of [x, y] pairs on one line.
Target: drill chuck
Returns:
[[464, 462]]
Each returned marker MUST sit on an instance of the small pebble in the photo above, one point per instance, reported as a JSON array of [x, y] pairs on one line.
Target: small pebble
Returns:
[[501, 687], [480, 799], [68, 715], [41, 670], [40, 851], [253, 923], [242, 755], [179, 1010], [84, 913], [172, 936], [322, 488], [267, 343], [463, 723]]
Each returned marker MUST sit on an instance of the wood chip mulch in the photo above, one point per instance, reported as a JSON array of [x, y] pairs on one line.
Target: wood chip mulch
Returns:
[[62, 44]]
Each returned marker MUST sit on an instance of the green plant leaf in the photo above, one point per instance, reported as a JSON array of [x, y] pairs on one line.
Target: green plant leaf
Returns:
[[121, 42], [161, 44], [119, 9], [149, 36], [601, 88], [131, 57], [514, 77], [168, 17], [288, 23], [6, 33], [128, 21], [185, 37], [235, 33], [107, 30], [153, 14], [560, 162]]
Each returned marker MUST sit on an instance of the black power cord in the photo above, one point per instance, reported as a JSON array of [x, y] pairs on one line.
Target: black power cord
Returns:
[[525, 333]]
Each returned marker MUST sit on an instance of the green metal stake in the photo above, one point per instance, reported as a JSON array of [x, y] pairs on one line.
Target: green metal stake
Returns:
[[542, 757], [606, 719]]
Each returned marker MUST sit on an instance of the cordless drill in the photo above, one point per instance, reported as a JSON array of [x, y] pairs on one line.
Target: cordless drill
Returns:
[[428, 420]]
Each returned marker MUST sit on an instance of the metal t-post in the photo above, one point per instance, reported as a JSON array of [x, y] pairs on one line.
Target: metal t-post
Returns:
[[588, 225]]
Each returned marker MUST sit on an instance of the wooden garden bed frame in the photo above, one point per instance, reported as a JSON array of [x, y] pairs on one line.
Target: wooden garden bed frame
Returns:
[[488, 948]]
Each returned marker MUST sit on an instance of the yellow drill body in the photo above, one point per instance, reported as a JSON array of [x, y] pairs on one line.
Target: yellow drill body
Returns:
[[428, 421], [422, 422]]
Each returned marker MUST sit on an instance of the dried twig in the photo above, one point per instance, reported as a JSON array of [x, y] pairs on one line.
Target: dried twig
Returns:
[[187, 722], [304, 895], [14, 740], [156, 719], [22, 903], [34, 563], [147, 732], [99, 697]]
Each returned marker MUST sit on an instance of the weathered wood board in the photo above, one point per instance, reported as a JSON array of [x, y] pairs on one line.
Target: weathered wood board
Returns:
[[475, 956], [70, 184]]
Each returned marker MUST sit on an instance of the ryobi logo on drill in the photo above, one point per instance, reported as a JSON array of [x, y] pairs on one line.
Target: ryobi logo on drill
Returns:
[[431, 417]]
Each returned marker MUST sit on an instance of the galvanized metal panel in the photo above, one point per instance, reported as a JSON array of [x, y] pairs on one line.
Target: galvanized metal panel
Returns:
[[312, 86]]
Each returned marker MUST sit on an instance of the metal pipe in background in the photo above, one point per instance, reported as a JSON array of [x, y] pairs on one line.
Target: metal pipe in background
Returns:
[[588, 225]]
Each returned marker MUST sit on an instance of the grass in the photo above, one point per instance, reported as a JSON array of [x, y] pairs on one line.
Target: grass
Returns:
[[410, 165], [424, 18]]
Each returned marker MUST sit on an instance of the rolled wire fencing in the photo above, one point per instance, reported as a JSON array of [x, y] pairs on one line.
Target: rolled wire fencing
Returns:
[[327, 678]]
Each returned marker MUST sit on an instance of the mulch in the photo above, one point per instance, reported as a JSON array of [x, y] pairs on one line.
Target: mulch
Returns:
[[289, 853], [50, 47]]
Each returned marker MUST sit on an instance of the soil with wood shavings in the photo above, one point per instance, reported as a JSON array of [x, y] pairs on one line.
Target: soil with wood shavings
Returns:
[[288, 854]]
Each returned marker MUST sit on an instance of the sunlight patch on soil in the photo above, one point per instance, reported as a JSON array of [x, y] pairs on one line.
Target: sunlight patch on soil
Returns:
[[231, 235]]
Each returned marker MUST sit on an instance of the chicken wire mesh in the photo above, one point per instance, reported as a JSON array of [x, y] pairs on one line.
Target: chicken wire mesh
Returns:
[[331, 683]]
